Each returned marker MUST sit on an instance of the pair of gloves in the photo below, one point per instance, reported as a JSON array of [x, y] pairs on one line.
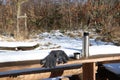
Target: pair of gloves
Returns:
[[55, 57]]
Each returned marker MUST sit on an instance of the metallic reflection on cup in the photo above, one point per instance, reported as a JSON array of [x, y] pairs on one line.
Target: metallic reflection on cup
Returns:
[[77, 55]]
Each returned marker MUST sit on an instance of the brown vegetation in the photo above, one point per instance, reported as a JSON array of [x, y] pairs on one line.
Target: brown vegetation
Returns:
[[44, 15]]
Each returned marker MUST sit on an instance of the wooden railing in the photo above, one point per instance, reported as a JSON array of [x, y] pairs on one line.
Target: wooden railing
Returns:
[[72, 67]]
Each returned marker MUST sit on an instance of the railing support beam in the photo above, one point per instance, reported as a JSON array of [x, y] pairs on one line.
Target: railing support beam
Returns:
[[88, 71]]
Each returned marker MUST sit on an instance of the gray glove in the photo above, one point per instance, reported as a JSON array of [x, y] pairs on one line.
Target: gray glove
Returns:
[[55, 56]]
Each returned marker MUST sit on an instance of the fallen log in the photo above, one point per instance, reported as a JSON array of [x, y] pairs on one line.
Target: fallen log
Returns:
[[18, 46]]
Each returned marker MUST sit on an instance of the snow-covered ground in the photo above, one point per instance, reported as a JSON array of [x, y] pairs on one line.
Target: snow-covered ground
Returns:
[[54, 40], [17, 44]]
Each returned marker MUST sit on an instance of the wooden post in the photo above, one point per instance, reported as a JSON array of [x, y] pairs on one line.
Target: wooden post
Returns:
[[85, 49], [88, 71], [18, 14], [26, 30], [19, 3]]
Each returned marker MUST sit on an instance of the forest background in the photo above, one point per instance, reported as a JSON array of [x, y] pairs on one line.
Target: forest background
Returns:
[[99, 16]]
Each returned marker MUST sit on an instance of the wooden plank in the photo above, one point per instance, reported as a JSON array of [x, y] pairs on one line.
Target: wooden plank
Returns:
[[41, 76], [115, 57], [19, 63], [87, 62], [39, 70], [22, 16], [23, 48], [88, 71], [99, 58]]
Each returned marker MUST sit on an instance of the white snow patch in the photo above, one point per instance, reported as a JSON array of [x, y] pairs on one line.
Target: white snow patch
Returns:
[[17, 44], [54, 41]]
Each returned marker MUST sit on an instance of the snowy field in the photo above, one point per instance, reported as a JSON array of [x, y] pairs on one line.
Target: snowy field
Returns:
[[54, 40]]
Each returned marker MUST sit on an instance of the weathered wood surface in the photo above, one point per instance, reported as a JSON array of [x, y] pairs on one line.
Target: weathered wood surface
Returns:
[[96, 58], [38, 72], [63, 71], [88, 71], [23, 48]]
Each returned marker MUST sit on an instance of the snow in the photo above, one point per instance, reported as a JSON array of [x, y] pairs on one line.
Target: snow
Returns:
[[16, 44], [54, 40], [104, 49], [8, 56]]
